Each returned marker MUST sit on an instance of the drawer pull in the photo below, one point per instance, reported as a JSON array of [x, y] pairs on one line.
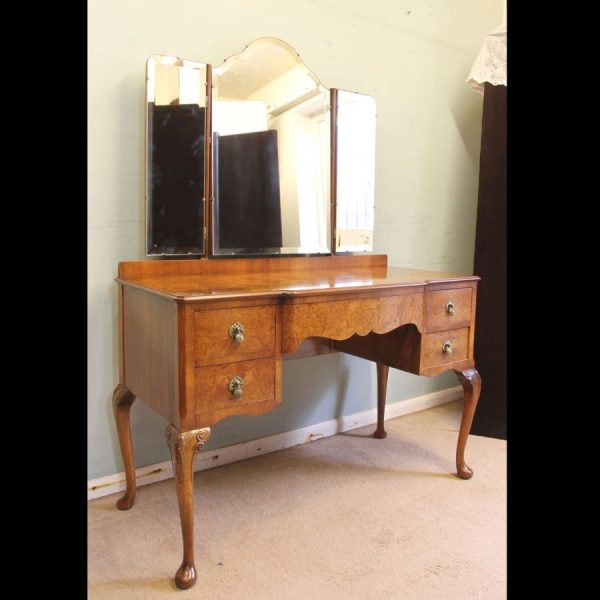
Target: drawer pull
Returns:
[[450, 308], [236, 386], [447, 347], [236, 331]]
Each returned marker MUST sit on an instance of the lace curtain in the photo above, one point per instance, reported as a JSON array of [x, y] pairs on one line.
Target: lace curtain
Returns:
[[490, 64]]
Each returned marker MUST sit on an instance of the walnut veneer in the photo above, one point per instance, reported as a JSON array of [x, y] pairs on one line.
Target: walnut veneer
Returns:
[[180, 355]]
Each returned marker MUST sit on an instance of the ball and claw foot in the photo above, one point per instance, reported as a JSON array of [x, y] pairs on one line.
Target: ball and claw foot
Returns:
[[185, 577]]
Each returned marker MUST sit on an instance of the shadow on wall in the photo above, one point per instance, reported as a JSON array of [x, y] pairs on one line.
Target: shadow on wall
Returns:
[[453, 143], [466, 109]]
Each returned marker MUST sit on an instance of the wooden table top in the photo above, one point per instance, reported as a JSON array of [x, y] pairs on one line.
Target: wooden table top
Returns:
[[194, 287]]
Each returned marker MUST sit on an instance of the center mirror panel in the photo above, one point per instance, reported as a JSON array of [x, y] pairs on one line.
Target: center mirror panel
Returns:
[[271, 151]]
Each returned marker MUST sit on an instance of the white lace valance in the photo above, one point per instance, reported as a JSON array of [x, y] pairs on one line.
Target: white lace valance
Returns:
[[490, 64]]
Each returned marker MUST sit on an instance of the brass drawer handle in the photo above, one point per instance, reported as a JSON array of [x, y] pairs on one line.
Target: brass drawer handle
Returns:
[[450, 308], [236, 331], [447, 347], [236, 386]]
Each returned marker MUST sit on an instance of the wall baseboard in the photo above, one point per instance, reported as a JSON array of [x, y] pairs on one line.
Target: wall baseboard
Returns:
[[111, 484]]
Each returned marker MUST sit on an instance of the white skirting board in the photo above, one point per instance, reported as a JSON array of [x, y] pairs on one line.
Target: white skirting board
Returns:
[[110, 484]]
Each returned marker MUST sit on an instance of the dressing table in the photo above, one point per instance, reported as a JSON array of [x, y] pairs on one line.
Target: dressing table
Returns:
[[203, 338]]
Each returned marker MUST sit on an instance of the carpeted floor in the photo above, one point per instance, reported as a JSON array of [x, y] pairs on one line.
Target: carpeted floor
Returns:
[[344, 517]]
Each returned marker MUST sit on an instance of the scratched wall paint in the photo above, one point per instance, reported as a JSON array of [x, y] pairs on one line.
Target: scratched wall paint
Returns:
[[413, 57]]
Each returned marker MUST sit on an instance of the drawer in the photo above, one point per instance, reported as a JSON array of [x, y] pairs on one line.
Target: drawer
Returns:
[[212, 384], [432, 347], [448, 308], [213, 344]]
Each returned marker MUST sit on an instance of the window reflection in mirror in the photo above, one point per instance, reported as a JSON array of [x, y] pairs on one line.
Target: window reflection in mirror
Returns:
[[176, 105], [355, 183], [271, 154]]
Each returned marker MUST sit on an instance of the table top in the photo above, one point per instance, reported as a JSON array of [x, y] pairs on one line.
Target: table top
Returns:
[[194, 287]]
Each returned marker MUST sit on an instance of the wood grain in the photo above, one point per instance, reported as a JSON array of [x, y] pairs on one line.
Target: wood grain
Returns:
[[212, 392], [432, 353], [183, 447], [436, 315], [150, 351], [341, 319], [238, 266], [120, 325], [347, 290], [186, 366], [213, 344], [298, 285]]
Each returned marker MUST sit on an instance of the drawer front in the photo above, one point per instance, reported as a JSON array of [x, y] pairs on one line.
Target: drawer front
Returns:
[[433, 353], [340, 319], [448, 308], [213, 344], [212, 385]]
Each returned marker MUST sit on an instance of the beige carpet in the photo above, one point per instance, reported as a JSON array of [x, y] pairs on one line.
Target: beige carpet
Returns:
[[344, 517]]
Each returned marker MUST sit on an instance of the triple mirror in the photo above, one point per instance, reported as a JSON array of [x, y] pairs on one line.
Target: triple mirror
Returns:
[[256, 157]]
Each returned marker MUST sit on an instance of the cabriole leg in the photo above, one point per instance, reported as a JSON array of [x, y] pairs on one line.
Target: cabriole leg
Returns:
[[122, 401], [471, 383], [183, 448]]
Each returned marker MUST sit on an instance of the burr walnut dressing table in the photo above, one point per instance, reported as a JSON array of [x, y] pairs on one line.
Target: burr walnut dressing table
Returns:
[[202, 339]]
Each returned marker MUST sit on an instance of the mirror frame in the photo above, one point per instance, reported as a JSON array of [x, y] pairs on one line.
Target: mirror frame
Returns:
[[209, 201], [328, 200]]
